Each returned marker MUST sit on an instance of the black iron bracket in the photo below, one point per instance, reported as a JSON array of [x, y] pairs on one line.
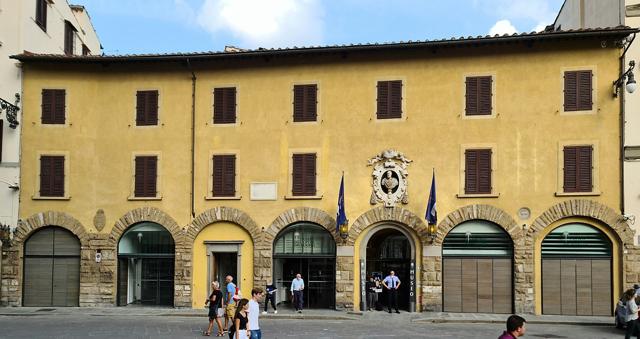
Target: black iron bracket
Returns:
[[11, 111]]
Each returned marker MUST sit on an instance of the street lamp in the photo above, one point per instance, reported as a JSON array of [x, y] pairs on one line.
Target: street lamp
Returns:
[[631, 81]]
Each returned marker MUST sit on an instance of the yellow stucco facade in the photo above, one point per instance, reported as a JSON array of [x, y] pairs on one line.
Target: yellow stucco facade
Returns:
[[526, 131]]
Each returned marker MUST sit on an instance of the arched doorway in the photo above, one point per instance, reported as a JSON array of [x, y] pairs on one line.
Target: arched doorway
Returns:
[[146, 258], [389, 249], [51, 268], [477, 266], [576, 271], [310, 250]]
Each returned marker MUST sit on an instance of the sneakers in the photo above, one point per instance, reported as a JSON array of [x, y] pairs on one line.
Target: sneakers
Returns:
[[396, 311], [264, 312], [299, 311], [275, 312]]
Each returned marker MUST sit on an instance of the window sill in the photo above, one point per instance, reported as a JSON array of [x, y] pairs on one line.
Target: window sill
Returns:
[[157, 198], [464, 116], [486, 195], [38, 197], [302, 197], [209, 197], [577, 194], [391, 120], [582, 112]]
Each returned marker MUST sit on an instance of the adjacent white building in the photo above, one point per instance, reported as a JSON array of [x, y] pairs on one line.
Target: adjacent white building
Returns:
[[39, 26], [576, 14]]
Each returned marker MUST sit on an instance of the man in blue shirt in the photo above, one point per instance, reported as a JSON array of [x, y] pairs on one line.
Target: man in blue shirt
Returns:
[[230, 310], [297, 286], [392, 283]]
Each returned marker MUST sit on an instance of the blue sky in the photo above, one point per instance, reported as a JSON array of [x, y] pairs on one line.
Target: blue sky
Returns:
[[161, 26]]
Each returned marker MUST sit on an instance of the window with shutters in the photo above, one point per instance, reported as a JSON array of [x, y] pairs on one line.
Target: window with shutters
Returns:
[[146, 176], [41, 14], [52, 176], [477, 171], [224, 105], [147, 108], [224, 175], [53, 106], [578, 90], [304, 174], [305, 103], [578, 169], [389, 100], [69, 38], [478, 96]]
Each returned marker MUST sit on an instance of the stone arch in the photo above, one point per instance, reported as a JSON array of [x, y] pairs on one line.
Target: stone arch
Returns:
[[582, 208], [299, 214], [474, 212], [381, 214], [182, 267], [222, 213], [50, 218], [151, 214]]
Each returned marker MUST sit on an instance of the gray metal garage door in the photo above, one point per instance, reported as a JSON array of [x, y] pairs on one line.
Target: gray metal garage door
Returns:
[[51, 268], [576, 271], [477, 269]]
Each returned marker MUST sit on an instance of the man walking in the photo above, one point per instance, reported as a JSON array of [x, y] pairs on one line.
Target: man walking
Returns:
[[392, 283], [297, 286], [515, 328], [254, 312], [270, 296], [230, 310]]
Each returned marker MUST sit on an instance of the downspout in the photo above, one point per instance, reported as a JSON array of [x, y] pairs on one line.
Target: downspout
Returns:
[[622, 125], [193, 137]]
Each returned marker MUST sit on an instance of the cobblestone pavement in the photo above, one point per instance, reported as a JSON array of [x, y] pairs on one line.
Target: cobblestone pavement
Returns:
[[152, 326]]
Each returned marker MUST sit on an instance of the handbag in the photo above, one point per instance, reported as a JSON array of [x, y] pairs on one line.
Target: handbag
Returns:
[[220, 312]]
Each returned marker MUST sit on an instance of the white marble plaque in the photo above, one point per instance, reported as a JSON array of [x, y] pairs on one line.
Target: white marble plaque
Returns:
[[264, 191]]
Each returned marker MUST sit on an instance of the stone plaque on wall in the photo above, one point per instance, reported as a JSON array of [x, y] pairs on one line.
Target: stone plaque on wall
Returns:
[[264, 191]]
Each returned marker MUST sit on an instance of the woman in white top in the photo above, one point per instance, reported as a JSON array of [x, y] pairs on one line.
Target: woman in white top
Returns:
[[632, 313]]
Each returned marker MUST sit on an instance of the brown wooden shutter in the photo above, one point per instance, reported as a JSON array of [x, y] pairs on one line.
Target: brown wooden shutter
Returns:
[[146, 108], [51, 176], [146, 173], [224, 176], [224, 105], [478, 171], [578, 169], [304, 174], [389, 99], [478, 95], [578, 91], [305, 103], [69, 31], [41, 14], [53, 106]]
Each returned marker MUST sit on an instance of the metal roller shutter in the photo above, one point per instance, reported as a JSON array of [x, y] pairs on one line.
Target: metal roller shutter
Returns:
[[52, 268]]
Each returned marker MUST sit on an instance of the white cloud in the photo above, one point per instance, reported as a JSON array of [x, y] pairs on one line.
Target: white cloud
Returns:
[[265, 23], [502, 27], [540, 27], [538, 12]]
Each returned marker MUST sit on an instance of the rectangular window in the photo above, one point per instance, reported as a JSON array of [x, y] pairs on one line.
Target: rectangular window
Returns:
[[147, 108], [85, 50], [41, 14], [389, 99], [224, 176], [305, 103], [146, 176], [578, 167], [577, 91], [304, 175], [478, 95], [224, 105], [69, 35], [53, 106], [52, 176], [477, 171]]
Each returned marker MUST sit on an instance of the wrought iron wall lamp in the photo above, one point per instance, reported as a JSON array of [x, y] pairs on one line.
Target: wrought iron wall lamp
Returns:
[[631, 81]]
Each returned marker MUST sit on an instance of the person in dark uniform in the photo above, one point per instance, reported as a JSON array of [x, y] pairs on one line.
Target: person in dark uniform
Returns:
[[271, 296], [392, 283], [372, 296]]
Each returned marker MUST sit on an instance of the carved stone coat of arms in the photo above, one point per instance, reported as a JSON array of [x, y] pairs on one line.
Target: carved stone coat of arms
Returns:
[[389, 178]]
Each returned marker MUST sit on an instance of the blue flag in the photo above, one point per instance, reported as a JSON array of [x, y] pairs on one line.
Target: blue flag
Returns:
[[341, 217], [432, 214]]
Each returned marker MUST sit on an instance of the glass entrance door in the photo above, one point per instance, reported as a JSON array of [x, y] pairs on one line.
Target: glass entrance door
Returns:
[[318, 275]]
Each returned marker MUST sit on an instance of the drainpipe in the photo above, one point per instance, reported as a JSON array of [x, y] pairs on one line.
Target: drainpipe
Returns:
[[622, 125], [193, 137]]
